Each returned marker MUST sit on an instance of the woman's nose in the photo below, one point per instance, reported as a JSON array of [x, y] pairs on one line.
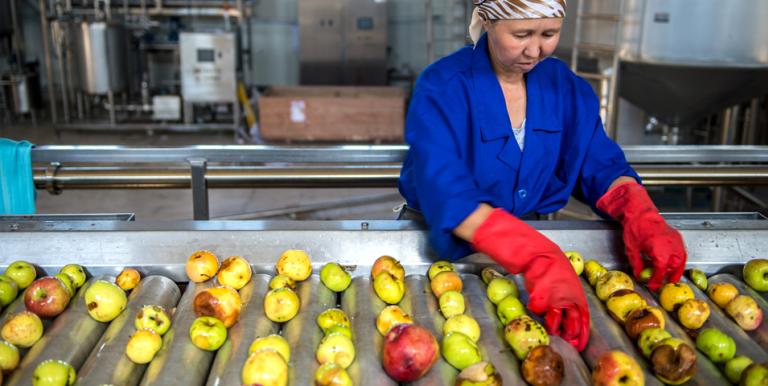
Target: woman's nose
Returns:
[[533, 49]]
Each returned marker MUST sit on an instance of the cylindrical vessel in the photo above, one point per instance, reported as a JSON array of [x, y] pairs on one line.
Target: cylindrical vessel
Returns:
[[100, 49], [108, 363]]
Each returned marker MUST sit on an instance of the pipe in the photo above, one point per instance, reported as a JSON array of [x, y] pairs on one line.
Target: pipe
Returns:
[[48, 63]]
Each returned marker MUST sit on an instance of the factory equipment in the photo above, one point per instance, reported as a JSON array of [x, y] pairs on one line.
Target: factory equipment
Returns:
[[207, 70], [100, 49]]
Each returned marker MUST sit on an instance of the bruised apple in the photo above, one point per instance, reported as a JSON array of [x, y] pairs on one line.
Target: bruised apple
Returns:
[[388, 264], [445, 281], [409, 352], [391, 316], [222, 303], [479, 374], [543, 366], [673, 361]]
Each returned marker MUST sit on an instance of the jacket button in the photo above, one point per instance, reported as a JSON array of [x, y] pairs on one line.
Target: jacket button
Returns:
[[522, 193]]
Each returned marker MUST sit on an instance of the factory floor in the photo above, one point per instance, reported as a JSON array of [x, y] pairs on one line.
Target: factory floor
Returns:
[[288, 203]]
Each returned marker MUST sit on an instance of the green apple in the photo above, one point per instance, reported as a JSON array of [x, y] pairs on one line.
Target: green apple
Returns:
[[735, 367], [331, 374], [332, 317], [9, 356], [612, 281], [67, 283], [207, 333], [22, 329], [272, 342], [439, 266], [143, 345], [509, 308], [8, 290], [646, 274], [523, 334], [451, 303], [755, 273], [488, 274], [76, 273], [282, 281], [463, 324], [593, 270], [755, 375], [265, 367], [718, 346], [336, 348], [698, 278], [499, 288], [460, 350], [53, 372], [389, 288], [281, 304], [152, 318], [649, 338], [341, 329], [577, 262], [22, 273], [335, 277], [105, 300]]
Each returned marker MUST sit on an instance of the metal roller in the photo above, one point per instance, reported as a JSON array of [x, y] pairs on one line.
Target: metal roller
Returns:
[[179, 362], [606, 335], [422, 305], [706, 371], [576, 371], [760, 335], [70, 338], [152, 290], [303, 333], [253, 324], [363, 306]]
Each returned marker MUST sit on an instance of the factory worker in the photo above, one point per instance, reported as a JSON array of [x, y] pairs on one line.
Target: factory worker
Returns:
[[499, 130]]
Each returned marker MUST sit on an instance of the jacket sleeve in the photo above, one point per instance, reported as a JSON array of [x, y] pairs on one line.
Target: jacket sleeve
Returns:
[[438, 130]]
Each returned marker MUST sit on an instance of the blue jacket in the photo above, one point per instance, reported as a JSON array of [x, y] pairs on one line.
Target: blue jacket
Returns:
[[463, 153]]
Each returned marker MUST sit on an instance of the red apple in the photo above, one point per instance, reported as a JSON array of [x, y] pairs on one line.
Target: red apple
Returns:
[[409, 352], [47, 297], [617, 368]]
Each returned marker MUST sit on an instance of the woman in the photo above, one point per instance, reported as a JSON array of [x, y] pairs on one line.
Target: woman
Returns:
[[499, 130]]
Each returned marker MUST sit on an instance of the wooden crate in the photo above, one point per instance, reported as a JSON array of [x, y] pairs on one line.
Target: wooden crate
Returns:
[[332, 114]]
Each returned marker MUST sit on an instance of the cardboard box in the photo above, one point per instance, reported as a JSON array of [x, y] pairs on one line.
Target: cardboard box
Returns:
[[332, 114]]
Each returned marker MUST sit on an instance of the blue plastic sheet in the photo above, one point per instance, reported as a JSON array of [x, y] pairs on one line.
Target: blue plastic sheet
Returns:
[[17, 188]]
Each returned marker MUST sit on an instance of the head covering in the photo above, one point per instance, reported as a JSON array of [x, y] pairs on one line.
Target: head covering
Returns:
[[510, 10]]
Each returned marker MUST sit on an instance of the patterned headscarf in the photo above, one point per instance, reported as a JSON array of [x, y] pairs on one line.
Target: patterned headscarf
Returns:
[[512, 9]]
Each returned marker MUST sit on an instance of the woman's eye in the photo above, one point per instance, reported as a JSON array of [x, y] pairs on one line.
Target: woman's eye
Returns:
[[521, 36]]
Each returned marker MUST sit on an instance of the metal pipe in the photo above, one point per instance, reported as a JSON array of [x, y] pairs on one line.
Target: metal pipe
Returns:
[[17, 40], [428, 14], [48, 63]]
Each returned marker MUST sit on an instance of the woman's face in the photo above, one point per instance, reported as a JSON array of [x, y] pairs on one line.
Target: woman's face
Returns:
[[518, 45]]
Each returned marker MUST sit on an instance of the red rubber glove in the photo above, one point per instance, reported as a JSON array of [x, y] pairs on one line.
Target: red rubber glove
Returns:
[[645, 232], [554, 290]]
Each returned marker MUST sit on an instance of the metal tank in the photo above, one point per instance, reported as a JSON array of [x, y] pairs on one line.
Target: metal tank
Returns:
[[100, 48]]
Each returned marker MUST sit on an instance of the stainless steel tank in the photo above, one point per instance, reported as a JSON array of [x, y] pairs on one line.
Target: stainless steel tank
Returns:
[[100, 48]]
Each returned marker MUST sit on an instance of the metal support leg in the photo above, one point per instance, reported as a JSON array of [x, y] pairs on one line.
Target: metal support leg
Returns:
[[199, 188]]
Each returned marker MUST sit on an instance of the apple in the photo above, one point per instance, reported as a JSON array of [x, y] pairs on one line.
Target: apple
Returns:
[[265, 368], [8, 290], [451, 304], [673, 361], [755, 273], [67, 281], [673, 295], [335, 277], [336, 348], [153, 318], [716, 345], [722, 293], [295, 264], [593, 270], [523, 334], [222, 303], [282, 281], [745, 311], [543, 366], [47, 297], [22, 273], [76, 273], [693, 313], [388, 264], [53, 372], [341, 329], [445, 281], [105, 300], [22, 329], [735, 367], [577, 262], [464, 324], [499, 288], [509, 308], [9, 356], [389, 288], [617, 368], [207, 333], [649, 338], [235, 272], [698, 278], [391, 316], [622, 302], [646, 274], [272, 342], [143, 345], [488, 274], [128, 279], [331, 374], [202, 266], [281, 304], [332, 317], [755, 375], [409, 351], [641, 319], [479, 374], [612, 281], [459, 350], [439, 266]]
